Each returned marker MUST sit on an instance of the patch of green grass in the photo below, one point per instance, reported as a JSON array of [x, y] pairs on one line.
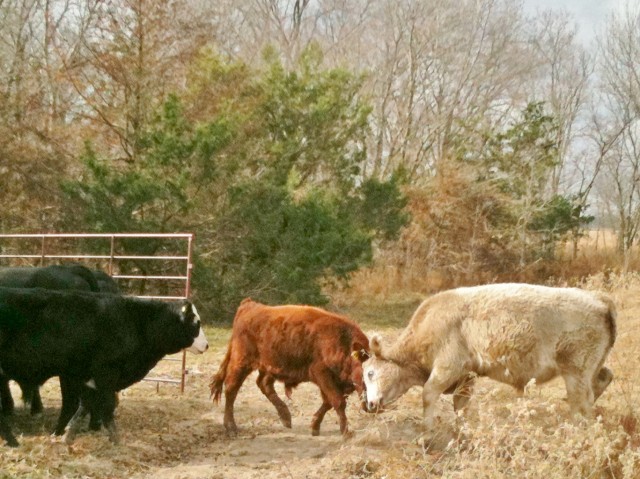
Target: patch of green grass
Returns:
[[368, 313], [218, 336]]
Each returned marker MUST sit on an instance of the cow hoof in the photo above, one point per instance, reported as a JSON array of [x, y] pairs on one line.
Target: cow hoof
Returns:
[[315, 432], [348, 434], [232, 431], [286, 423], [95, 426]]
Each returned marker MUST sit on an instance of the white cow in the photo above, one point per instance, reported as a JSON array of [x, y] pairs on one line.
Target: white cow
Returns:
[[509, 332]]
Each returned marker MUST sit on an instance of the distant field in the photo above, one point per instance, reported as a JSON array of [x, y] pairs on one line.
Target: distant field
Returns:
[[601, 241], [166, 435]]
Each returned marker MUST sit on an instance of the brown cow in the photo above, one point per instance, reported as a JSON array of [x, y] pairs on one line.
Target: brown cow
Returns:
[[292, 344]]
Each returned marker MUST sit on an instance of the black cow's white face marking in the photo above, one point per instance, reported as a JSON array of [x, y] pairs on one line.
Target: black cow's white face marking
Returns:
[[200, 343]]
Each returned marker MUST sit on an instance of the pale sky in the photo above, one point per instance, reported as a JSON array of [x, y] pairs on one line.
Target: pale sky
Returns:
[[590, 15]]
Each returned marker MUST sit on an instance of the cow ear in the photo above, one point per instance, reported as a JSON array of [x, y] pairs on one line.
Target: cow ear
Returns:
[[361, 355], [186, 312], [376, 345]]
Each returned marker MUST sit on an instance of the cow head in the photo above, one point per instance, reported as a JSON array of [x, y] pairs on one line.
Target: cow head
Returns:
[[190, 317], [355, 375], [385, 380]]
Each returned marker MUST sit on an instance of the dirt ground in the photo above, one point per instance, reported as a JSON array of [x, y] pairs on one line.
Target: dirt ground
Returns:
[[168, 435], [165, 434]]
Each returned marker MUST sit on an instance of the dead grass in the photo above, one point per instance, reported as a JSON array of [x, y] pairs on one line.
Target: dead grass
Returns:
[[169, 435], [395, 279]]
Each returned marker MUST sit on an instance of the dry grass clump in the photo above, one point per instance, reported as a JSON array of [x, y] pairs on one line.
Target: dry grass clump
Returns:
[[534, 440], [499, 436]]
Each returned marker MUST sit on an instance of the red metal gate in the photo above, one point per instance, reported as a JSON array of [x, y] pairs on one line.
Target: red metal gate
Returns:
[[48, 250]]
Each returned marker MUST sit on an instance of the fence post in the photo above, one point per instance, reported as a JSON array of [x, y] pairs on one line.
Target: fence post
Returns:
[[111, 254], [187, 293], [42, 251]]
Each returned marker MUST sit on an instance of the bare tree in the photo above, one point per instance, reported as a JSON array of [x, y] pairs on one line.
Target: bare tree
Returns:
[[619, 109], [36, 141], [443, 65], [563, 73], [132, 55]]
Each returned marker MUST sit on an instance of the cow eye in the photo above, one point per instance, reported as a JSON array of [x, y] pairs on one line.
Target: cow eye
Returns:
[[370, 374]]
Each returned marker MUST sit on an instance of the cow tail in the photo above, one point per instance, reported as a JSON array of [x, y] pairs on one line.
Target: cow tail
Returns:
[[612, 314], [217, 381]]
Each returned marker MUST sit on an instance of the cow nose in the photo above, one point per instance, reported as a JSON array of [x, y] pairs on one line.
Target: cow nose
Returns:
[[371, 406], [206, 346]]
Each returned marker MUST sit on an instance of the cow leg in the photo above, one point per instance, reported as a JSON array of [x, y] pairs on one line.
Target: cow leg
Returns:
[[579, 376], [462, 393], [27, 394], [106, 403], [442, 377], [36, 403], [324, 379], [232, 384], [265, 383], [32, 395], [70, 401], [95, 420], [101, 405], [319, 415], [74, 424], [579, 394], [6, 400], [5, 432], [94, 405]]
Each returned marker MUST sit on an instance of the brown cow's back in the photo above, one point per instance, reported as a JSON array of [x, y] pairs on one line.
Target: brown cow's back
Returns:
[[293, 336]]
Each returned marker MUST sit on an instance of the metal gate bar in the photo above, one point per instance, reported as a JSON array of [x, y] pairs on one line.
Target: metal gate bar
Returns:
[[112, 258]]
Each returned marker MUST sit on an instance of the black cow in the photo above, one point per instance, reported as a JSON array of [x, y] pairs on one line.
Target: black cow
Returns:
[[106, 284], [57, 277], [106, 342], [62, 277]]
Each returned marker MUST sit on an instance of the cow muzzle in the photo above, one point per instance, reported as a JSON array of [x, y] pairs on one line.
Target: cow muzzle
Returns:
[[200, 344], [372, 406]]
